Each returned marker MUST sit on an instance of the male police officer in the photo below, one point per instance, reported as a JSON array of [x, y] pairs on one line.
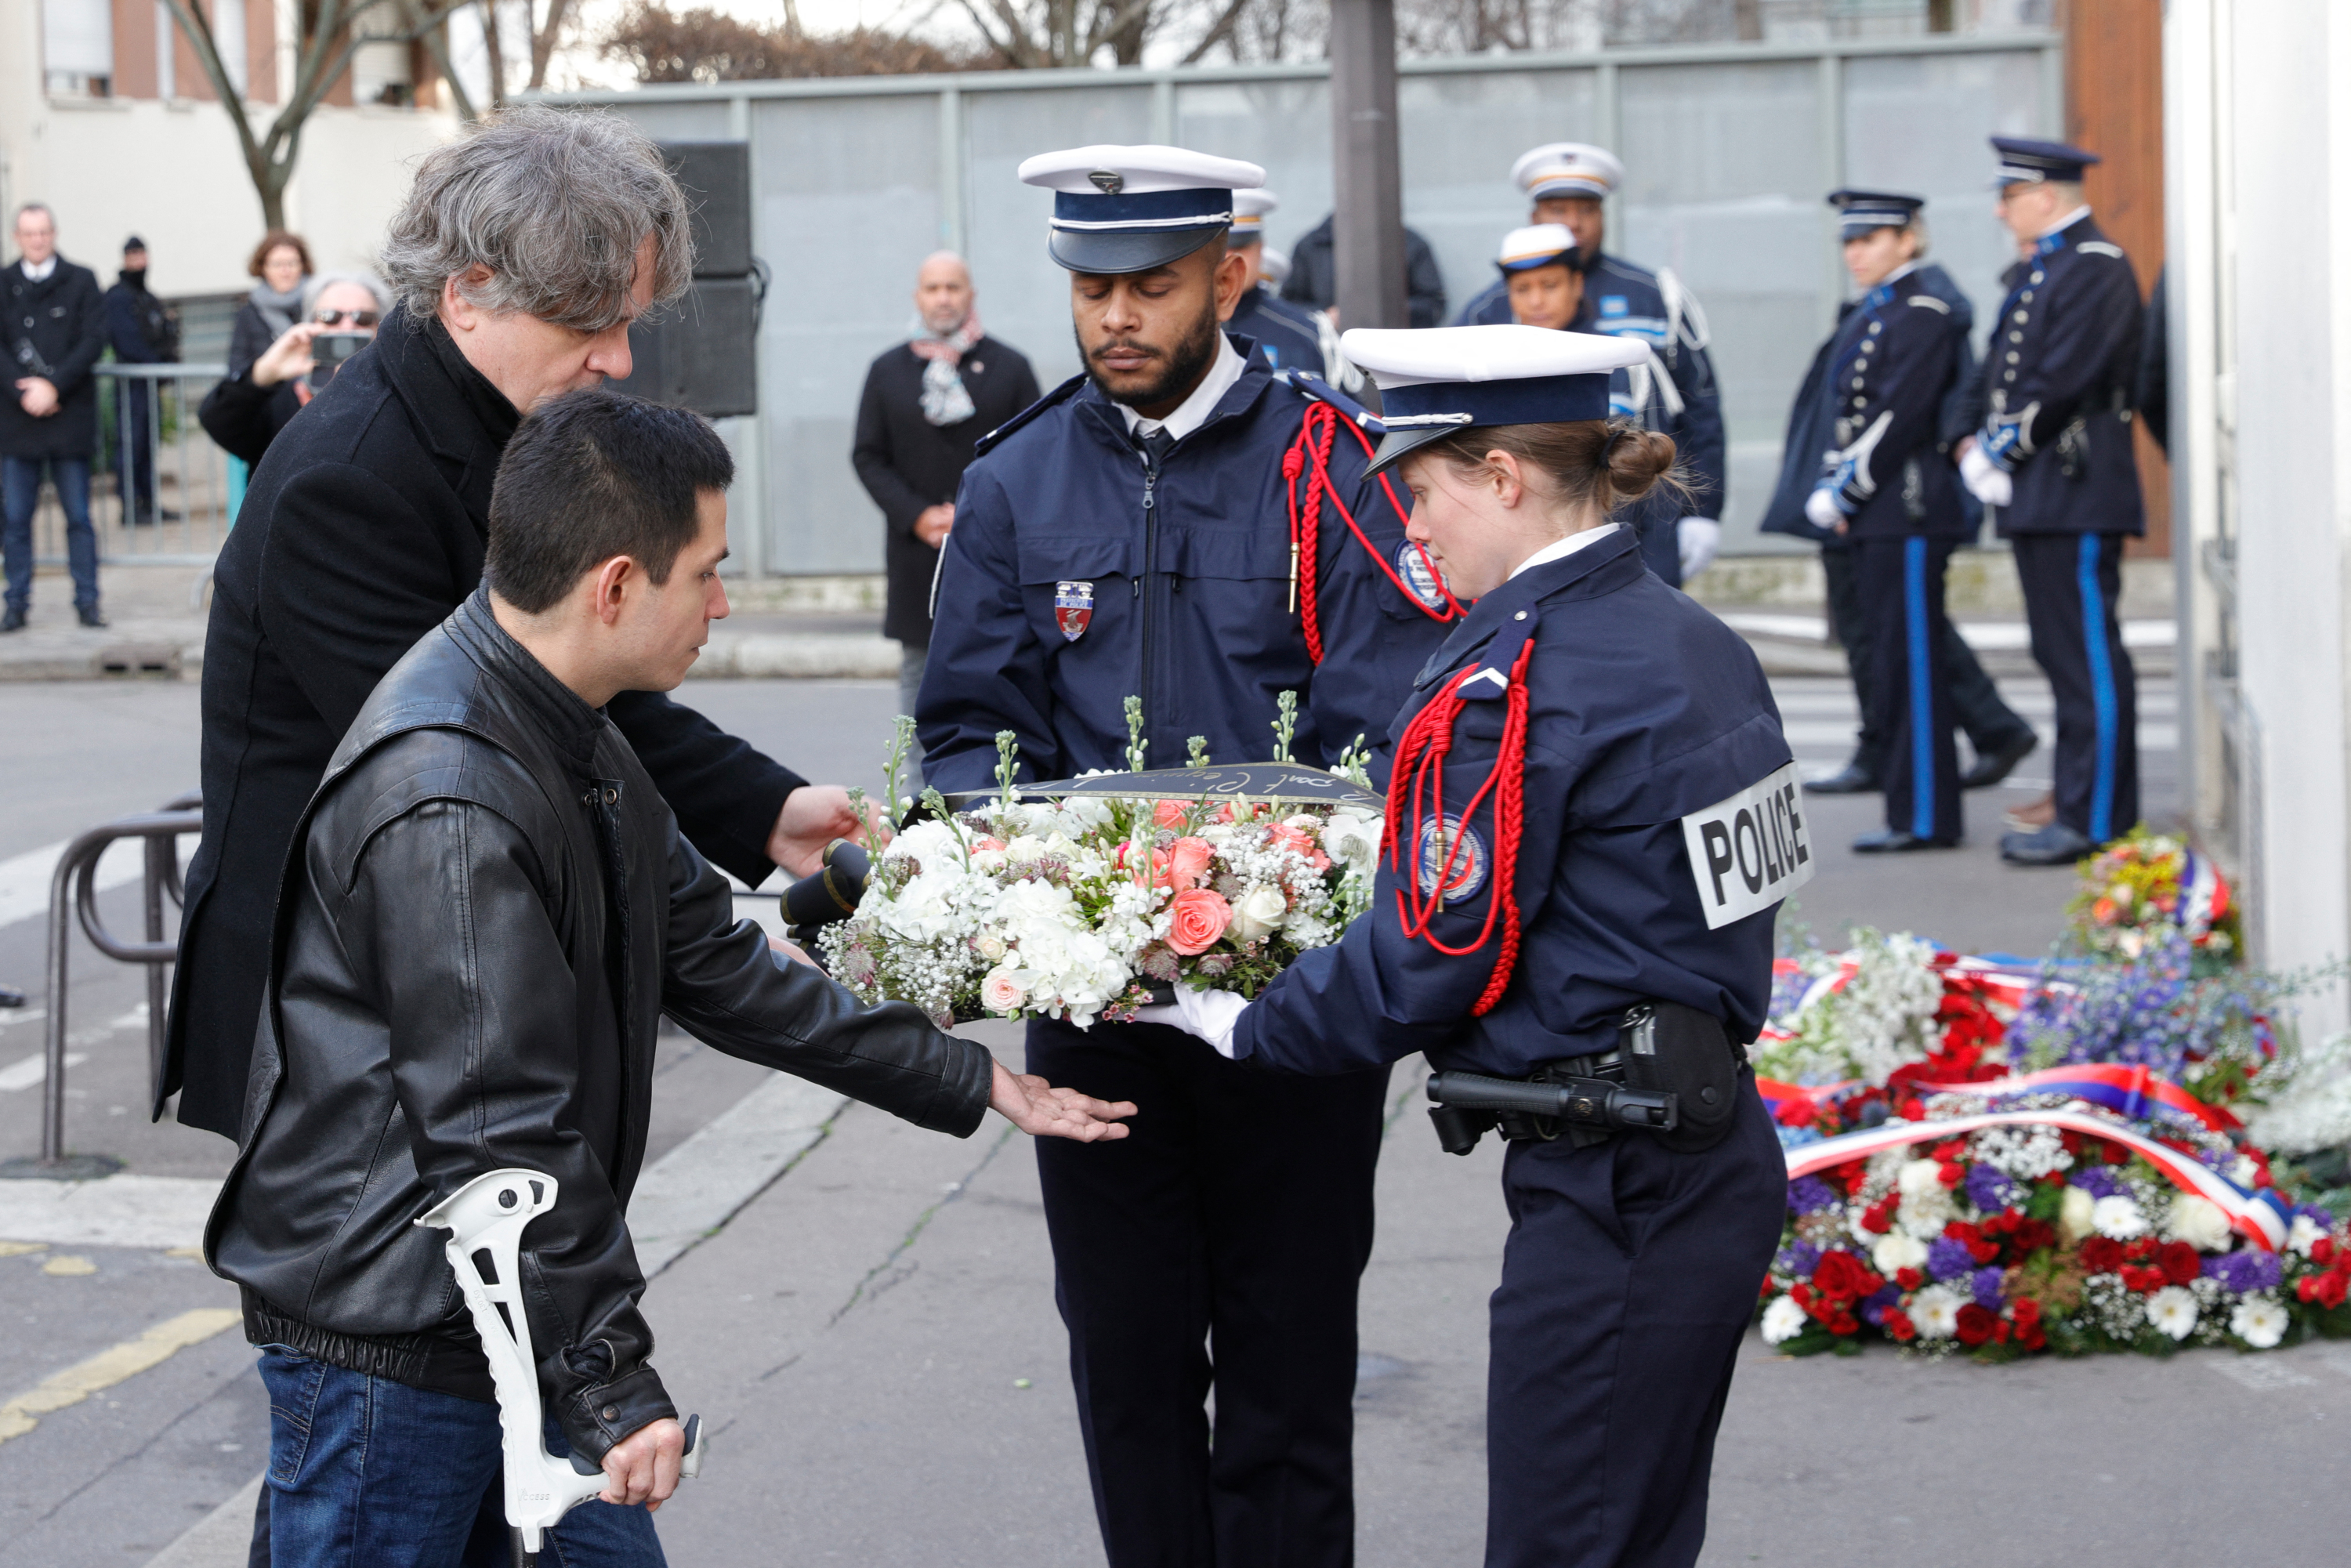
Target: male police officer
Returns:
[[1568, 184], [2054, 456], [1291, 337], [1132, 535]]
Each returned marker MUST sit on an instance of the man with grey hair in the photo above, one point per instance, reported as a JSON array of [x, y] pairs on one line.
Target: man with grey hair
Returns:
[[523, 252]]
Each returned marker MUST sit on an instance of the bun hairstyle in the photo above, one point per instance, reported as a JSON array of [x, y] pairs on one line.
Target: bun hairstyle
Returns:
[[1603, 462]]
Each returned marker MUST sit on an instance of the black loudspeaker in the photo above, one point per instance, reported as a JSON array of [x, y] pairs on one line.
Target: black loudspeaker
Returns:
[[718, 179], [698, 354]]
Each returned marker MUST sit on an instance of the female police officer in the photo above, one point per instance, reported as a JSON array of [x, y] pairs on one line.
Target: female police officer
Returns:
[[1592, 815]]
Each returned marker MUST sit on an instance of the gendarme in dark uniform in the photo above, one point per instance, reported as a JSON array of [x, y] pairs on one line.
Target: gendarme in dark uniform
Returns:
[[1619, 817], [2054, 456], [1099, 554]]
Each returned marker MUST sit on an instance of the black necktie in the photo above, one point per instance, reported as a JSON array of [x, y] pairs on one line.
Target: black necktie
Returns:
[[1156, 445]]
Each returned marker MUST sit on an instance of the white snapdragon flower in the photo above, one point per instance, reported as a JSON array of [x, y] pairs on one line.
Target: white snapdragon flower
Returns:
[[1782, 1321], [2259, 1321], [1260, 912], [1925, 1207], [2119, 1217], [2199, 1222], [2173, 1310], [1897, 1250], [1935, 1311]]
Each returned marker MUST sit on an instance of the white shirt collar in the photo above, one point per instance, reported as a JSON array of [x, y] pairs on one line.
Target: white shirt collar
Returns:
[[2068, 221], [38, 274], [1560, 549], [1194, 411], [1905, 270]]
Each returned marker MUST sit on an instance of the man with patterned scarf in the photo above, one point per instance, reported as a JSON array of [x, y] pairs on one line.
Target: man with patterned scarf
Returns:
[[925, 401]]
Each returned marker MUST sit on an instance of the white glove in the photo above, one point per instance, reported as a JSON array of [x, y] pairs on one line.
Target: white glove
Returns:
[[1698, 537], [1204, 1015], [1986, 480], [1822, 510]]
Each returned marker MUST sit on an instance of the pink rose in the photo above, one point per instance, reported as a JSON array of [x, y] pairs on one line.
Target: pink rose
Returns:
[[1000, 993], [990, 843], [1170, 813], [1199, 918], [1188, 861]]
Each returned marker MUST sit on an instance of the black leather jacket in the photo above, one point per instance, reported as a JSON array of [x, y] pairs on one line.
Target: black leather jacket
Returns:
[[485, 916]]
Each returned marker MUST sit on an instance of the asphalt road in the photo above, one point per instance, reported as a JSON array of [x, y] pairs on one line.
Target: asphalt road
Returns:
[[874, 1340]]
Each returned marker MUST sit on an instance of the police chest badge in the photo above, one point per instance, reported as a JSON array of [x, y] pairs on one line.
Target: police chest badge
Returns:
[[1073, 608], [1451, 856], [1750, 851], [1418, 575]]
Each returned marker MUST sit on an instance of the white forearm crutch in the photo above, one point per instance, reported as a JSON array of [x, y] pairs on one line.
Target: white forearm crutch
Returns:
[[485, 1220]]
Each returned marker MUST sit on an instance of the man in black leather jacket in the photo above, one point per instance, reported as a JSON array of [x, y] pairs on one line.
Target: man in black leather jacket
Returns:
[[488, 912]]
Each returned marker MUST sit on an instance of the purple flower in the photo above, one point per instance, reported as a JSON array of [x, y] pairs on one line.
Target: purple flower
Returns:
[[2099, 1182], [1988, 1190], [1987, 1288], [1800, 1259], [2245, 1273], [1810, 1195], [2318, 1217], [1948, 1258]]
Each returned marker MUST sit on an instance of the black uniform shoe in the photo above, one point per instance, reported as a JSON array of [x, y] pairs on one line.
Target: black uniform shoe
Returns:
[[1994, 766], [90, 617], [1895, 842], [2055, 844], [13, 621], [1853, 779]]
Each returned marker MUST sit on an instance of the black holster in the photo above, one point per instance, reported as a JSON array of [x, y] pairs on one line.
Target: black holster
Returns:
[[1674, 1075]]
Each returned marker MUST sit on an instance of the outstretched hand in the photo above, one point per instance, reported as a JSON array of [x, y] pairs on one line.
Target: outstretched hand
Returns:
[[813, 816], [1039, 1109]]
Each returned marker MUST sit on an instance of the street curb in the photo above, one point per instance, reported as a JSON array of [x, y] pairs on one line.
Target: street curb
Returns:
[[807, 656]]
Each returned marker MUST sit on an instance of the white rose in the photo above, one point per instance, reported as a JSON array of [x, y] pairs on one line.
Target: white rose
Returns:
[[1260, 913], [1352, 839], [1782, 1321], [2118, 1217], [1919, 1179], [2304, 1235], [1897, 1250], [2074, 1214], [1000, 990], [990, 946], [1935, 1311], [1925, 1207], [2173, 1310], [2259, 1321], [2199, 1222]]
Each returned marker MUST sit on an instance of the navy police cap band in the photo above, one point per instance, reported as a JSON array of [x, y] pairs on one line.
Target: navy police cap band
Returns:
[[1110, 235], [2023, 161], [1417, 414], [1859, 211]]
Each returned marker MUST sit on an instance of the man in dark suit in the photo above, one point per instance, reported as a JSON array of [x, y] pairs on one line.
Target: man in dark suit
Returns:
[[925, 401], [366, 523], [1314, 280], [52, 329]]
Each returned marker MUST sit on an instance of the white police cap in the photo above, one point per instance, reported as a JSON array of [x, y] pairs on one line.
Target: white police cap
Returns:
[[1130, 209], [1436, 380], [1567, 168], [1249, 208], [1538, 244], [1273, 265]]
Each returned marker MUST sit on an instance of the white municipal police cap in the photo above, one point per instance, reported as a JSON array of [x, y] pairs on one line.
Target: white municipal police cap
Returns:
[[1434, 381], [1249, 208], [1539, 244], [1273, 265], [1861, 212], [1130, 209], [1567, 168]]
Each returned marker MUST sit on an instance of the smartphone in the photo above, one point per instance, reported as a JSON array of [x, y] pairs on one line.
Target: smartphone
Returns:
[[327, 353]]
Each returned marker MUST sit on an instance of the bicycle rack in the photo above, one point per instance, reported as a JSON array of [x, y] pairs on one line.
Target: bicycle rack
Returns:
[[73, 892]]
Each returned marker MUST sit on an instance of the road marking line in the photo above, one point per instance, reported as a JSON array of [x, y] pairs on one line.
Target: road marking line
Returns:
[[111, 1367], [25, 879], [32, 1069]]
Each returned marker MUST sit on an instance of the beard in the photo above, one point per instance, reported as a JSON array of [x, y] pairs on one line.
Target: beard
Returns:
[[1173, 371]]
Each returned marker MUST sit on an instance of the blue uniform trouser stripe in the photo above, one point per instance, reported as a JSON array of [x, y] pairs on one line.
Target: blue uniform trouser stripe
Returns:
[[2102, 688], [1922, 689]]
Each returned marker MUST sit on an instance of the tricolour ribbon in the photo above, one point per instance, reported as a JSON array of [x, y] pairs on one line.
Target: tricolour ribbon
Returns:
[[2130, 1091]]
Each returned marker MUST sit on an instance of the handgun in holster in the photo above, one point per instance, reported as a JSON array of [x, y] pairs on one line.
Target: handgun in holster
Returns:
[[1673, 1073]]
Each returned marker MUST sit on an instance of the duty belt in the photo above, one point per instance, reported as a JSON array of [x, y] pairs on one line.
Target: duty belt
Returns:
[[1581, 1097]]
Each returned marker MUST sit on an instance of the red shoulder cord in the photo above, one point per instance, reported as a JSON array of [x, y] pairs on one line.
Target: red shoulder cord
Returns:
[[1417, 797], [1312, 446]]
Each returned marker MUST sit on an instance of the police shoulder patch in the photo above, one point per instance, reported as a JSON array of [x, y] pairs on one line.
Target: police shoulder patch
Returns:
[[1418, 575], [1448, 854], [1751, 850]]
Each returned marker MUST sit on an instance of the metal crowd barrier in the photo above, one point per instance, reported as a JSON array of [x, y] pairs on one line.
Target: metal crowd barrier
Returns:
[[153, 444], [73, 892]]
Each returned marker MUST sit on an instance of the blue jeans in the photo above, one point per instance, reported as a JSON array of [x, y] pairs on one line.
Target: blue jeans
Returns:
[[368, 1473], [20, 491]]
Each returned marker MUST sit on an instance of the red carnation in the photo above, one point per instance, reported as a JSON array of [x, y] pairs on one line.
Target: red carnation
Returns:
[[2032, 1235], [2144, 1279], [2179, 1261], [2321, 1252], [2032, 1338], [2026, 1311], [2331, 1288], [1844, 1323], [2102, 1255], [2141, 1249], [1909, 1279], [1840, 1276], [1878, 1219], [1796, 1110], [1911, 1108], [1976, 1325], [1897, 1323]]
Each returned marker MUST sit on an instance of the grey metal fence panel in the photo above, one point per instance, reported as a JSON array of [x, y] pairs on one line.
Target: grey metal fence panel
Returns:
[[150, 443], [1728, 150]]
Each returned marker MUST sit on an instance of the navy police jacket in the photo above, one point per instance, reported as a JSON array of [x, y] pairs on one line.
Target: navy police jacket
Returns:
[[1077, 577], [1623, 300], [1878, 413], [1285, 333], [2057, 380], [1643, 710]]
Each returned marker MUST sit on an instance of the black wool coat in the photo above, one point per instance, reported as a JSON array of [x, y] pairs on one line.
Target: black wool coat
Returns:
[[363, 527], [57, 328], [906, 463]]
